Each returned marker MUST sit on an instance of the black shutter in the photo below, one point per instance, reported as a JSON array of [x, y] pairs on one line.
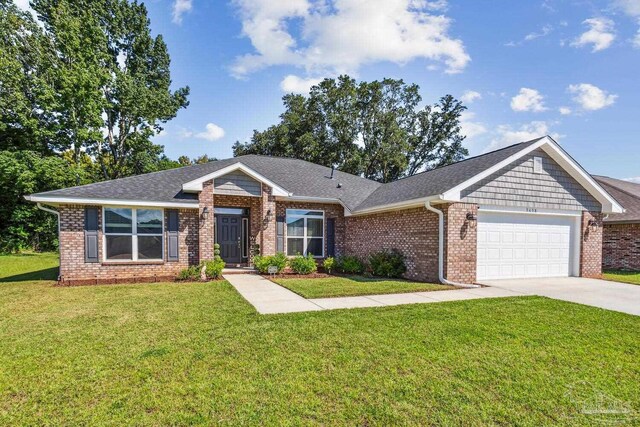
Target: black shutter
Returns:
[[280, 234], [91, 227], [331, 237], [173, 227]]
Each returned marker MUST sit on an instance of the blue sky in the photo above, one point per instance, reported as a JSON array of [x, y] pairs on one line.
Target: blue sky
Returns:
[[568, 68]]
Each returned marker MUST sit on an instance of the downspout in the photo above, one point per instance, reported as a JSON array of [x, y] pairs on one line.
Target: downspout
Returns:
[[441, 248]]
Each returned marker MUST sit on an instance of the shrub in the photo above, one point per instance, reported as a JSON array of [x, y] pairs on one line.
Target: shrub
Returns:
[[262, 263], [303, 264], [329, 264], [387, 263], [349, 265], [190, 273], [213, 268]]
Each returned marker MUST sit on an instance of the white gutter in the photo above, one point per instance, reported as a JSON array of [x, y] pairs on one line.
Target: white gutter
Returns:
[[441, 247]]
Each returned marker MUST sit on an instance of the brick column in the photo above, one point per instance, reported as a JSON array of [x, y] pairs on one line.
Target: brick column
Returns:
[[591, 246], [461, 242], [205, 230], [268, 234]]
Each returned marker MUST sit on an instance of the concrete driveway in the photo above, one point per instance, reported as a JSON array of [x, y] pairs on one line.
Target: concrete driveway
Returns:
[[597, 293]]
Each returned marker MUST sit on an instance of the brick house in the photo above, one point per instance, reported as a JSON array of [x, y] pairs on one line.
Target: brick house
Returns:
[[621, 239], [528, 210]]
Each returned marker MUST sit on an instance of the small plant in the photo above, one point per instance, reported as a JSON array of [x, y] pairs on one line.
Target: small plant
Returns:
[[303, 264], [387, 263], [213, 268], [262, 263], [190, 273], [349, 265], [329, 264]]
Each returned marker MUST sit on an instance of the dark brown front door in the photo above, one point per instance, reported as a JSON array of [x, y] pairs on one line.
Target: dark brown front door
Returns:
[[229, 237]]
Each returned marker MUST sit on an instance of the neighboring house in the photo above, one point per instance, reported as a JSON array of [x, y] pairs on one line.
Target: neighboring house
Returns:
[[528, 210], [621, 241]]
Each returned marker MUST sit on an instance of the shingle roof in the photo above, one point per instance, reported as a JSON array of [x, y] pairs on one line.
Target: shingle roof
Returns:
[[437, 181], [627, 194], [298, 177]]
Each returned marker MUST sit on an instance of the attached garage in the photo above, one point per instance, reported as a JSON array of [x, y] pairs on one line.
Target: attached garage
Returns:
[[521, 245]]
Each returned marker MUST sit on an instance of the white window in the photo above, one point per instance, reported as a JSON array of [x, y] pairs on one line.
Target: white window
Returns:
[[305, 232], [133, 234]]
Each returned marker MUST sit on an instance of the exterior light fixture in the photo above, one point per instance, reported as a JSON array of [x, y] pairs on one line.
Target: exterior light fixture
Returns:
[[205, 213], [471, 216], [593, 224]]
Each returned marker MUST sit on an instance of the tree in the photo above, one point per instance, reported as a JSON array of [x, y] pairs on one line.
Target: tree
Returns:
[[113, 81], [374, 129], [27, 97]]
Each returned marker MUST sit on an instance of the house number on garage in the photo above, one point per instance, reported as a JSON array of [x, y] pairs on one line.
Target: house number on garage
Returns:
[[532, 210]]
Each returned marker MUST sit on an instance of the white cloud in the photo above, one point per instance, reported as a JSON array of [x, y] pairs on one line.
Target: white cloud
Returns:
[[635, 180], [544, 31], [212, 132], [636, 40], [590, 97], [470, 128], [336, 36], [506, 135], [528, 100], [469, 96], [180, 7], [161, 133], [630, 7], [601, 34], [565, 111], [297, 84]]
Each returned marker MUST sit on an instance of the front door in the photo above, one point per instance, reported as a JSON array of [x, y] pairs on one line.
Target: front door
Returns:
[[229, 237]]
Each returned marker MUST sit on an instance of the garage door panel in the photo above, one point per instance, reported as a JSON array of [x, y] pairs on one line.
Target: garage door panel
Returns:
[[523, 245]]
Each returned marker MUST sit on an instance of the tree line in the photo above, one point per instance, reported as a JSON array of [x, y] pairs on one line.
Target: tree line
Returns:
[[85, 87]]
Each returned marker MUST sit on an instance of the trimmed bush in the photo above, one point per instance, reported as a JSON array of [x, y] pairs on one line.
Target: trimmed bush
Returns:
[[190, 273], [329, 264], [303, 264], [349, 265], [213, 268], [387, 263], [262, 263]]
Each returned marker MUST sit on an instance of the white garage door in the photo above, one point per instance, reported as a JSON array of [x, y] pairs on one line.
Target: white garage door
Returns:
[[524, 245]]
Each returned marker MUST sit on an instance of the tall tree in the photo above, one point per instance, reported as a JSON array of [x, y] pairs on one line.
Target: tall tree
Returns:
[[374, 129], [113, 81], [27, 96]]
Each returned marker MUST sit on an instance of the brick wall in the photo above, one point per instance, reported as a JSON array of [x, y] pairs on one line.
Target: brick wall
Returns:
[[268, 243], [414, 232], [73, 269], [591, 252], [461, 242], [205, 232], [330, 211], [621, 247]]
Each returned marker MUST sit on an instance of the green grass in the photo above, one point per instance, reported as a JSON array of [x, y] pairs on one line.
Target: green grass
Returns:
[[632, 277], [197, 353], [29, 266], [339, 286]]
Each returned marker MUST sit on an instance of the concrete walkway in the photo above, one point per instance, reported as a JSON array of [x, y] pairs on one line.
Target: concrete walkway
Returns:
[[267, 297], [270, 298], [596, 293]]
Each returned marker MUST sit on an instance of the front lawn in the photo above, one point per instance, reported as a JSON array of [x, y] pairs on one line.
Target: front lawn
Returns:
[[342, 286], [632, 277], [197, 353]]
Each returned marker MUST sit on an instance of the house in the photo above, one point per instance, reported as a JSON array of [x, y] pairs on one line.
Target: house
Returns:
[[621, 240], [528, 210]]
